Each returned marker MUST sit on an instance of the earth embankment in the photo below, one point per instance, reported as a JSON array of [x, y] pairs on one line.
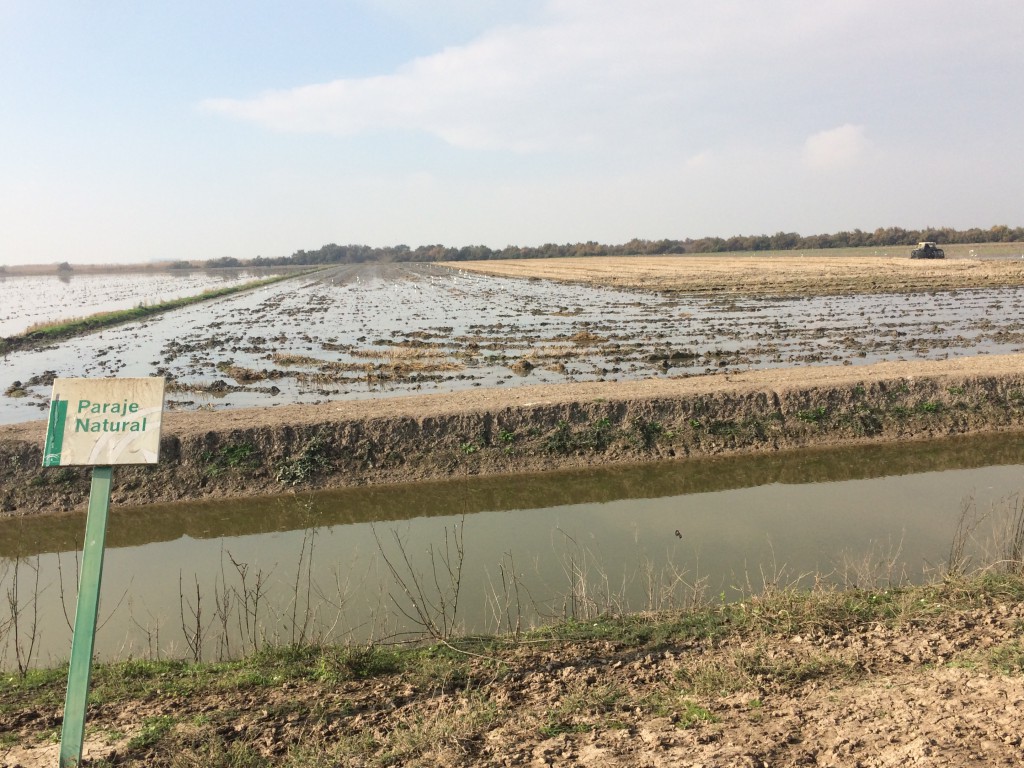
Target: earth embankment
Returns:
[[254, 452]]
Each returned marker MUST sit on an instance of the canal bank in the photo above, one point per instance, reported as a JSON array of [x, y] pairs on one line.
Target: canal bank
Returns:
[[254, 452]]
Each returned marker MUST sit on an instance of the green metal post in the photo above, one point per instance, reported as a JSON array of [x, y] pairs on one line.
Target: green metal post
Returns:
[[73, 730]]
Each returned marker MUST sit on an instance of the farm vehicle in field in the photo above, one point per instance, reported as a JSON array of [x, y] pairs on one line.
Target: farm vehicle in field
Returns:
[[927, 250]]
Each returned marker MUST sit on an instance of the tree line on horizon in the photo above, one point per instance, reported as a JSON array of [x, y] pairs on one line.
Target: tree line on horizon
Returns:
[[780, 241]]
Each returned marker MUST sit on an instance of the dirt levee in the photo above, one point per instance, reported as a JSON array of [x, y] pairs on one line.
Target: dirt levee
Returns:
[[250, 452]]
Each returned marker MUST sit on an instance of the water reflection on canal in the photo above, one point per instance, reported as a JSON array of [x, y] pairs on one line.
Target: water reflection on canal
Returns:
[[533, 547]]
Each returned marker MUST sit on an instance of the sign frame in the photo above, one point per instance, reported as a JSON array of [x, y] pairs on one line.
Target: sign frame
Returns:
[[104, 422]]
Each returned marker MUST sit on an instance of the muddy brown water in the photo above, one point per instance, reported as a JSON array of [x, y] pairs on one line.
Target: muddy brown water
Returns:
[[535, 548]]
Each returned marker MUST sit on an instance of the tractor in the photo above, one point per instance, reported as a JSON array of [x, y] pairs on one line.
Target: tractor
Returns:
[[927, 250]]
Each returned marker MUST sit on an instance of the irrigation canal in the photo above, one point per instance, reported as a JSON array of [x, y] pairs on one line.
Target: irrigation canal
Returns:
[[219, 578]]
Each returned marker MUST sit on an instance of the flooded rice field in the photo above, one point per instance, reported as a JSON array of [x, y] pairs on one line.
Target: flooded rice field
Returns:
[[27, 300], [377, 330], [218, 579]]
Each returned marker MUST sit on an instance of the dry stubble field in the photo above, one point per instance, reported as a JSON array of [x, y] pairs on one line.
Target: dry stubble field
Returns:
[[790, 274]]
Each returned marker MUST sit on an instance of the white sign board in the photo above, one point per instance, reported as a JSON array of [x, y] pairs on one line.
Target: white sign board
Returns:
[[102, 422]]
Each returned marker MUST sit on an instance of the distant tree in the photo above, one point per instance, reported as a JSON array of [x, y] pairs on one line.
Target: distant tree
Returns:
[[999, 234], [784, 241], [65, 267], [180, 265], [223, 261], [780, 241]]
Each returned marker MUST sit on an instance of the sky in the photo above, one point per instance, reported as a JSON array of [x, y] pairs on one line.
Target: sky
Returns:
[[136, 131]]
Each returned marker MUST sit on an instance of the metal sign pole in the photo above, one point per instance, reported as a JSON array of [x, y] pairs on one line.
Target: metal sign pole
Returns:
[[80, 670]]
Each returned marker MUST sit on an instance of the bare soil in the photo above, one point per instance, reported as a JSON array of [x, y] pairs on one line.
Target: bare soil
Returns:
[[939, 685]]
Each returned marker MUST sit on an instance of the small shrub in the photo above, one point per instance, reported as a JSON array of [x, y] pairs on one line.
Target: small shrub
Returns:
[[723, 428], [506, 438], [595, 437], [813, 415], [315, 458], [647, 433], [755, 428], [867, 423], [231, 456]]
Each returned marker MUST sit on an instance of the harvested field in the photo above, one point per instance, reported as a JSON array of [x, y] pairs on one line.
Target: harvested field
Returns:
[[777, 275]]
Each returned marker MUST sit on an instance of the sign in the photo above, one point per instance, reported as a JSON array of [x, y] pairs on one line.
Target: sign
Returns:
[[98, 422], [102, 422]]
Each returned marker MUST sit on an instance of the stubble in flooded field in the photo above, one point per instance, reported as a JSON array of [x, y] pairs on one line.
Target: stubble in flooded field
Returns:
[[369, 331]]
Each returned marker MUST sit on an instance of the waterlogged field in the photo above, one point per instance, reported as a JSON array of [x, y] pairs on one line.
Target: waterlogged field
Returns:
[[378, 330], [27, 300]]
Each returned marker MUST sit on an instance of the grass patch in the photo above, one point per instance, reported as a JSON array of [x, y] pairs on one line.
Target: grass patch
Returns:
[[595, 438], [813, 415], [681, 710], [649, 630], [243, 455], [153, 730], [1008, 659], [692, 714], [436, 704], [581, 708]]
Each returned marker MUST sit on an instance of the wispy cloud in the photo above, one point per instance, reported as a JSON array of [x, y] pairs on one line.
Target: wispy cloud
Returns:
[[656, 78], [584, 74], [835, 149]]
